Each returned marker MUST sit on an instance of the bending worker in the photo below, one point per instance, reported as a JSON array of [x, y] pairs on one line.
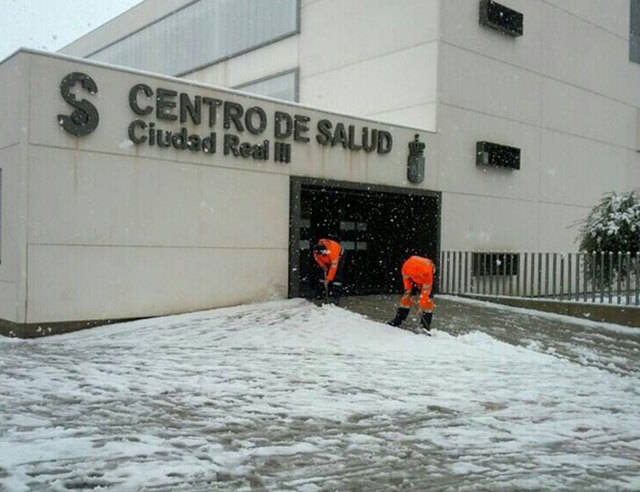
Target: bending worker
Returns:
[[417, 273], [328, 255]]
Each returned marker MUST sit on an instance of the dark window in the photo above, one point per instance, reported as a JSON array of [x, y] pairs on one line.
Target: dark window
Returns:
[[494, 264], [634, 31], [493, 154], [501, 18]]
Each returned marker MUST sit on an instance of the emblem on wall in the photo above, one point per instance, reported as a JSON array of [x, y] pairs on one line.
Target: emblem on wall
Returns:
[[416, 160], [85, 118]]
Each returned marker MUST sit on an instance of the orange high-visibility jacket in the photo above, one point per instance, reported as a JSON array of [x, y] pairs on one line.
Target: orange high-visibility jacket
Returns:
[[329, 262], [419, 271]]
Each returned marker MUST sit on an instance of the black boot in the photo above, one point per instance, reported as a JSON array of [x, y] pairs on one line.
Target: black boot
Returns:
[[401, 315], [335, 292], [425, 321]]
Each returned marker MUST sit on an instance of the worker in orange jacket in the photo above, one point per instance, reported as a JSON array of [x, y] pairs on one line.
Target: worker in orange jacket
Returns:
[[329, 256], [417, 273]]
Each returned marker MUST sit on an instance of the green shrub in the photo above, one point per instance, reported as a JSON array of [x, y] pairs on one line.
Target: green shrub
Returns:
[[613, 225]]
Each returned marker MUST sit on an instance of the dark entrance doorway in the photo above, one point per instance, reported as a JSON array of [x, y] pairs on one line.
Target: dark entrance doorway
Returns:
[[378, 227]]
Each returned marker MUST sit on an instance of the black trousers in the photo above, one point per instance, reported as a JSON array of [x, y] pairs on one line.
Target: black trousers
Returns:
[[336, 286]]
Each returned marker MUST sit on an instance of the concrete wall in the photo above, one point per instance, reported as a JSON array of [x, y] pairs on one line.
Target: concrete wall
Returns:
[[117, 230], [272, 59], [14, 130], [373, 58], [565, 93]]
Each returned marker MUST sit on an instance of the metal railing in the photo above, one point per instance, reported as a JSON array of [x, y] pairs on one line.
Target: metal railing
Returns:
[[599, 277]]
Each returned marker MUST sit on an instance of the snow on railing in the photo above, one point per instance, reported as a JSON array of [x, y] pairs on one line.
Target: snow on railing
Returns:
[[602, 277]]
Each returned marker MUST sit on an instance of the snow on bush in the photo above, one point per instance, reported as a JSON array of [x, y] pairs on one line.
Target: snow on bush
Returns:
[[613, 225]]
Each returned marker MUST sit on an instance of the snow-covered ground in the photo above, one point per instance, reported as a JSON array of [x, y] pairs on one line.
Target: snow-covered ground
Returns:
[[288, 395]]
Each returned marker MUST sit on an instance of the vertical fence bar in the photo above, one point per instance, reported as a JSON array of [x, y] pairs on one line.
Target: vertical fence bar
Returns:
[[489, 270], [502, 277], [484, 273], [619, 296], [475, 287], [637, 278], [569, 291], [628, 268], [453, 272], [457, 271], [554, 280], [584, 275], [466, 272], [449, 269], [511, 273], [577, 276], [539, 274], [506, 270], [498, 275], [506, 274], [599, 274], [459, 285], [460, 271], [610, 281], [601, 280], [443, 272], [533, 274], [448, 273], [518, 276], [596, 275], [463, 268], [524, 273], [561, 276], [515, 275], [593, 276], [546, 274], [439, 272], [443, 288], [473, 278], [492, 276]]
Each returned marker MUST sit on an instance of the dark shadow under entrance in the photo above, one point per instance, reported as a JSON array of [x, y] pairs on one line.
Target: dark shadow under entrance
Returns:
[[378, 226]]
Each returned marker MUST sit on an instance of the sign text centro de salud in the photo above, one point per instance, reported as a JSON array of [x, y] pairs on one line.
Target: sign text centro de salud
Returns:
[[169, 107]]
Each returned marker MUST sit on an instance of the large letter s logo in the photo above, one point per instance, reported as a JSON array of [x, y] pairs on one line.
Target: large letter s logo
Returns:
[[85, 118]]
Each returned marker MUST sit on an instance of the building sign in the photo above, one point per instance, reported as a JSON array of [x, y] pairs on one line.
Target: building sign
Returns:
[[84, 118], [162, 118], [169, 106]]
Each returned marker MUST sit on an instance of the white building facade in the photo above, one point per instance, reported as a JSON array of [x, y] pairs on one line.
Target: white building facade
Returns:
[[564, 90], [126, 194], [133, 184]]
